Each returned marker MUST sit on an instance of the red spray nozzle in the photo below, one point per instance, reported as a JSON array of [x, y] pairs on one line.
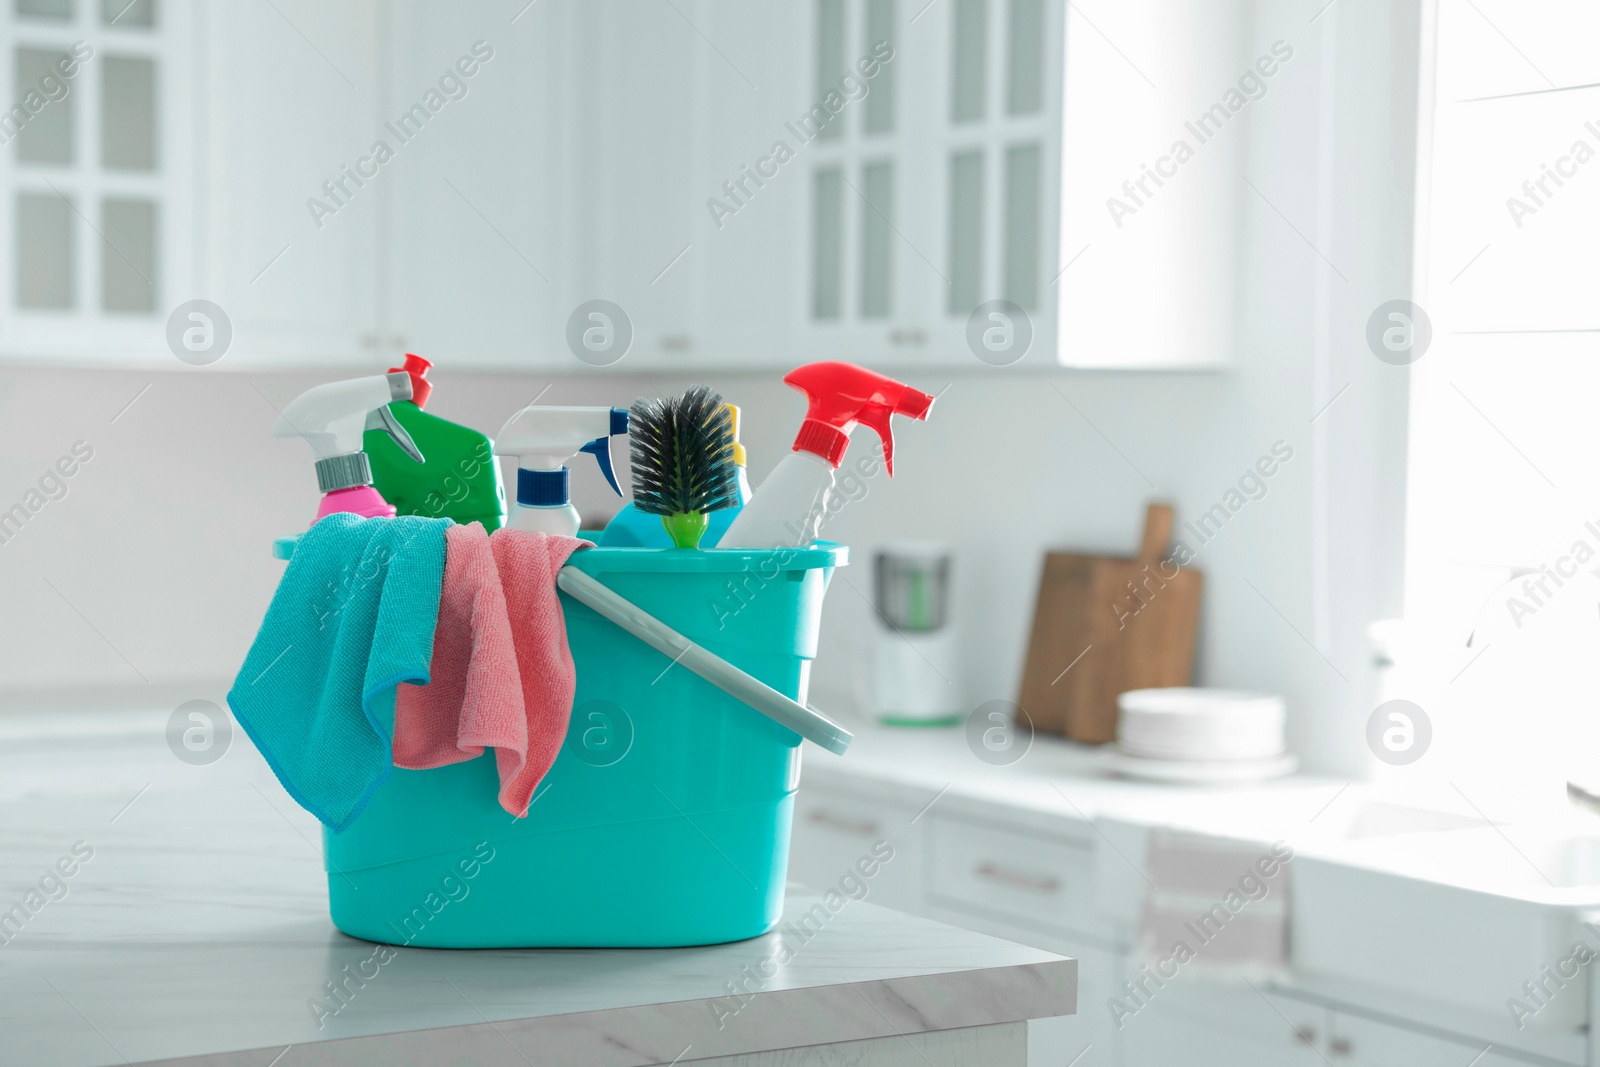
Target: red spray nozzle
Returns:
[[843, 394], [418, 368]]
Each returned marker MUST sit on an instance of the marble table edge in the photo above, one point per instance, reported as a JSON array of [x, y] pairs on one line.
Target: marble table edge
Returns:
[[761, 1021]]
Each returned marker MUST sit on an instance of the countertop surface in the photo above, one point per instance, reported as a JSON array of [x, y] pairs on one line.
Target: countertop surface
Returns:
[[1060, 787], [195, 928]]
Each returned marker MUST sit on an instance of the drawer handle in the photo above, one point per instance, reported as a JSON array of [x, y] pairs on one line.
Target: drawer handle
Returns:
[[990, 872], [864, 828]]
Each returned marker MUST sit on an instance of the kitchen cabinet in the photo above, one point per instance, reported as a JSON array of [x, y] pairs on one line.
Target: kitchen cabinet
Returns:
[[630, 152], [663, 158], [1000, 855], [473, 270], [997, 881], [1089, 1038], [581, 168], [1092, 1033], [1029, 880], [1233, 1026], [1363, 1042], [290, 263], [99, 183], [833, 829], [1272, 1031]]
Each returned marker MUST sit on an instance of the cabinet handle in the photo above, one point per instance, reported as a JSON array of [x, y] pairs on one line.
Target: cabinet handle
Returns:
[[990, 872], [1305, 1035], [1339, 1046], [863, 827]]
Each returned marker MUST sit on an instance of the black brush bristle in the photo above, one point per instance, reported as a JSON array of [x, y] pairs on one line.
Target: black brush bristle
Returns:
[[682, 452]]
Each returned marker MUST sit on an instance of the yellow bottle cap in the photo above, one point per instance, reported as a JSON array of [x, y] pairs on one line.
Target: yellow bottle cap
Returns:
[[738, 449]]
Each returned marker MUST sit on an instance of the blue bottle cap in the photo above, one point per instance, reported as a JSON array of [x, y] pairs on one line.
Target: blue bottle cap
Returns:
[[541, 489]]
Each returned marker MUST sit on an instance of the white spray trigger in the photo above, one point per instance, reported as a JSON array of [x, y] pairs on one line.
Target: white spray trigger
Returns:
[[383, 419], [333, 416]]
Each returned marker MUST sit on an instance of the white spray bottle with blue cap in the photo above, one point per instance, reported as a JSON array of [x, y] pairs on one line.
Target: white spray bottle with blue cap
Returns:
[[543, 439]]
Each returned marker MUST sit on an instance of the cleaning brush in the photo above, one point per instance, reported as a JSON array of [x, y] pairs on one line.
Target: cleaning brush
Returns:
[[682, 449]]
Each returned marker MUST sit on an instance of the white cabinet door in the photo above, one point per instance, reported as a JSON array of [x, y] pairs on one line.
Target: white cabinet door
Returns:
[[1091, 1033], [475, 261], [1089, 1038], [1205, 1025], [100, 189], [666, 158], [289, 236], [1035, 882], [581, 166], [935, 191], [1361, 1042], [729, 299], [833, 830], [1153, 287]]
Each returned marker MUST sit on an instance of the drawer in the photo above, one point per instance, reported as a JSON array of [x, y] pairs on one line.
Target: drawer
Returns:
[[842, 816], [833, 830], [1030, 879]]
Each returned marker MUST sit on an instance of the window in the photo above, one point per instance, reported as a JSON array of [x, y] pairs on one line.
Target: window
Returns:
[[86, 169], [1503, 521]]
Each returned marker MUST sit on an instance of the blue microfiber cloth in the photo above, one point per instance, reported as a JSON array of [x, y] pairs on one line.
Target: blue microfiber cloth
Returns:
[[353, 617]]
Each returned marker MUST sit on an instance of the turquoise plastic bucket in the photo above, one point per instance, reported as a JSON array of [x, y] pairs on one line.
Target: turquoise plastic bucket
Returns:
[[664, 821]]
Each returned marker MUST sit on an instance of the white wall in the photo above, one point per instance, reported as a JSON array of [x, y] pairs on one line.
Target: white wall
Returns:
[[160, 551]]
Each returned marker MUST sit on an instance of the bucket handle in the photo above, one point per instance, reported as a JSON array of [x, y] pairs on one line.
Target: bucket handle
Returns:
[[741, 685]]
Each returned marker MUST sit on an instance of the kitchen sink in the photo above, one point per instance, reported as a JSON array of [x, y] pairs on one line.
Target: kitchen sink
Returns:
[[1122, 886], [1381, 818], [1464, 917]]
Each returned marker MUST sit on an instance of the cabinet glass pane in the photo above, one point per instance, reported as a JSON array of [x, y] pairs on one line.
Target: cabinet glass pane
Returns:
[[971, 20], [1025, 58], [41, 117], [879, 116], [1022, 226], [877, 186], [128, 113], [140, 13], [45, 9], [827, 206], [44, 251], [966, 231], [830, 58], [128, 255]]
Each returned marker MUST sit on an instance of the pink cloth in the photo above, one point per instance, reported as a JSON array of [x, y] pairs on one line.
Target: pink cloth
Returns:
[[502, 676]]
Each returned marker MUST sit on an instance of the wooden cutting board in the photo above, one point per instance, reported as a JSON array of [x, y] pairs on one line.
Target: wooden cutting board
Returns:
[[1104, 625]]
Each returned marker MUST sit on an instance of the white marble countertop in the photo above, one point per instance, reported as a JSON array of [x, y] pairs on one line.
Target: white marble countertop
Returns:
[[198, 933], [1057, 786]]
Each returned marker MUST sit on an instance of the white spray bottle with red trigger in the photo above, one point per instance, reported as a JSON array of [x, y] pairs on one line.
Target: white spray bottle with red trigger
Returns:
[[786, 512]]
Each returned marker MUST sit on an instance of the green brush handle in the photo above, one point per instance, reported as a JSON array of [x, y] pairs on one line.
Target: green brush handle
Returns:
[[686, 528]]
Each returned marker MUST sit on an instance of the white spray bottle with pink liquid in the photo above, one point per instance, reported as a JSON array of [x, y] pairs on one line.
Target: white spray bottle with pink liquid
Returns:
[[332, 419]]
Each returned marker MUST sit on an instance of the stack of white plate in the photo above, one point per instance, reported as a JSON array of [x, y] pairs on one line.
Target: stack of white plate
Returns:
[[1200, 735]]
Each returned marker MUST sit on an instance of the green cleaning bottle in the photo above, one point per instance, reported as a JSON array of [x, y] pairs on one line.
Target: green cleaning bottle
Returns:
[[460, 478]]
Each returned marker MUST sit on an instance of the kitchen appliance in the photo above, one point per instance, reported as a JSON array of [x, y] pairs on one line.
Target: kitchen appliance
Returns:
[[914, 655]]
